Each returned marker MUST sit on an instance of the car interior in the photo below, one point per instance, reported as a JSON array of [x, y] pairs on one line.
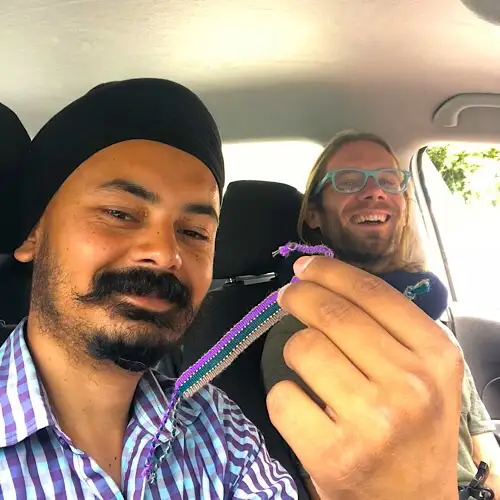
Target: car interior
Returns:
[[281, 78]]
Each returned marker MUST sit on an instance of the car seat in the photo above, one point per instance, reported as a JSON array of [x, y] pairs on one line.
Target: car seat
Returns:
[[480, 342], [15, 278], [256, 218]]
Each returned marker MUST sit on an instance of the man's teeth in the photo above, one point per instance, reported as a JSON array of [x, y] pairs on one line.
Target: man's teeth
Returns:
[[360, 219]]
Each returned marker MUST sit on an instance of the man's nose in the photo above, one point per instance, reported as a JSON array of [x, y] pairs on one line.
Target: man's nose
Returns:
[[158, 248], [372, 191]]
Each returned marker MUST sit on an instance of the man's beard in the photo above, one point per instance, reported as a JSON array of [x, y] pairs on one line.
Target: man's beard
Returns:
[[138, 340], [371, 253]]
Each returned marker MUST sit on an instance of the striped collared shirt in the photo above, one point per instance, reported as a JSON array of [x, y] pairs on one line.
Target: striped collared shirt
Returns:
[[217, 454]]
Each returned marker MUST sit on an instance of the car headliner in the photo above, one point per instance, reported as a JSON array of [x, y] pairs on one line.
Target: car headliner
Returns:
[[280, 69]]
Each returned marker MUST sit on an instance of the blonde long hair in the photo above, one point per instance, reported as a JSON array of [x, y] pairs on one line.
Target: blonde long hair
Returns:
[[409, 254]]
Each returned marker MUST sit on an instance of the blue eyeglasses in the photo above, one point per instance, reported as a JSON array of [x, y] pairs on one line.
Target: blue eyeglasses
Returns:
[[353, 180]]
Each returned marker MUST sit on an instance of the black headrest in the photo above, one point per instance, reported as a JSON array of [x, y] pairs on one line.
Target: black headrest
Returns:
[[256, 218], [14, 144], [15, 289]]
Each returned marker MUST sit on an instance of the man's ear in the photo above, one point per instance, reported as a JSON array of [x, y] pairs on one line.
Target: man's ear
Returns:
[[26, 252], [312, 218]]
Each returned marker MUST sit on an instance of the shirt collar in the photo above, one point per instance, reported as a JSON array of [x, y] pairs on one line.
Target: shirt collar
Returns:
[[23, 401], [20, 383], [151, 401]]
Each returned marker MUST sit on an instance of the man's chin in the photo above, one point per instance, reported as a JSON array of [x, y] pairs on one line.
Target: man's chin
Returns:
[[133, 351], [367, 257]]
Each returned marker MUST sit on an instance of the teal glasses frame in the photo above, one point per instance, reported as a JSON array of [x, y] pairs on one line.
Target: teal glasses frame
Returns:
[[374, 174]]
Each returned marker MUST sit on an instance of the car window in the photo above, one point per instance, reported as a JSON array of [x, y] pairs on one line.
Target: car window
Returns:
[[463, 185]]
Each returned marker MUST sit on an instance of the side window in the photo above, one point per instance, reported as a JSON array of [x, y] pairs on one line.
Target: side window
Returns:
[[462, 182]]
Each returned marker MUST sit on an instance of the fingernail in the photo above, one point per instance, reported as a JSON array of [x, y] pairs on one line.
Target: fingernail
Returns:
[[281, 291], [301, 264]]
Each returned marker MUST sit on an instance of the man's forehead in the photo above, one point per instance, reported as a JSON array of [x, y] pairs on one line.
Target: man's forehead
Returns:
[[143, 160], [362, 154], [141, 167], [140, 154]]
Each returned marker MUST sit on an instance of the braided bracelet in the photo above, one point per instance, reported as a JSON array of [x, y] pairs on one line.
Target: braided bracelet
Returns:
[[258, 321]]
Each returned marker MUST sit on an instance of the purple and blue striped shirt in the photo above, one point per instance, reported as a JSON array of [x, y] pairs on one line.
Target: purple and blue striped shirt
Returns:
[[218, 453]]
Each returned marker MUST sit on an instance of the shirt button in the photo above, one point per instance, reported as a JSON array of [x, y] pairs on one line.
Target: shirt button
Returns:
[[62, 442]]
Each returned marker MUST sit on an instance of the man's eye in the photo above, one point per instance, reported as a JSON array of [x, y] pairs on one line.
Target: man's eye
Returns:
[[118, 214], [195, 235]]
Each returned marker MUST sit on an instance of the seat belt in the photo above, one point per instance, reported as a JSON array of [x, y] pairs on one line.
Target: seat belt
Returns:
[[476, 488]]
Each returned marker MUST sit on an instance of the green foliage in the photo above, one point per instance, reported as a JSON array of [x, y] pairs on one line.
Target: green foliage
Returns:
[[457, 168]]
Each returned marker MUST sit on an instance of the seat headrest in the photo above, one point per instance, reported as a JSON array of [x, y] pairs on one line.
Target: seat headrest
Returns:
[[14, 144], [256, 218]]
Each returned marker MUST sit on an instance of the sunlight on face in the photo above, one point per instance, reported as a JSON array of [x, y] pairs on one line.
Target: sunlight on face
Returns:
[[363, 226]]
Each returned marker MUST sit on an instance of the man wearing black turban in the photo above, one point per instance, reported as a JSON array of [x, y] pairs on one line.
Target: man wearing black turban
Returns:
[[122, 201]]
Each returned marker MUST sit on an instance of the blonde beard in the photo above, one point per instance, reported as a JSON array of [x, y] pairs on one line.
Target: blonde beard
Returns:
[[391, 260]]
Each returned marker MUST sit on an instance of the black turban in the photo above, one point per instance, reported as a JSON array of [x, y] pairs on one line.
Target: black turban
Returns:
[[146, 108], [14, 145]]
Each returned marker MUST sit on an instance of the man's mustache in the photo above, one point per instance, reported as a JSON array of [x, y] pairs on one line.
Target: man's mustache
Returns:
[[139, 282]]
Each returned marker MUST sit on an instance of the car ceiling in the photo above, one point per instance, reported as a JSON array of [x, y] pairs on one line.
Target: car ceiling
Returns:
[[280, 69]]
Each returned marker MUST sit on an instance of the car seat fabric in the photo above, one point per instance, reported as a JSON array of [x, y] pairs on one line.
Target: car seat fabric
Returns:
[[14, 278], [491, 398], [256, 218], [14, 144], [15, 288], [480, 342]]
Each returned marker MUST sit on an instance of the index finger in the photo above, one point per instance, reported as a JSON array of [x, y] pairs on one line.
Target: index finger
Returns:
[[388, 307]]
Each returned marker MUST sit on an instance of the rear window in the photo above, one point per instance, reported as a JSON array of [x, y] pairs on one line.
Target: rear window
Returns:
[[288, 162]]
